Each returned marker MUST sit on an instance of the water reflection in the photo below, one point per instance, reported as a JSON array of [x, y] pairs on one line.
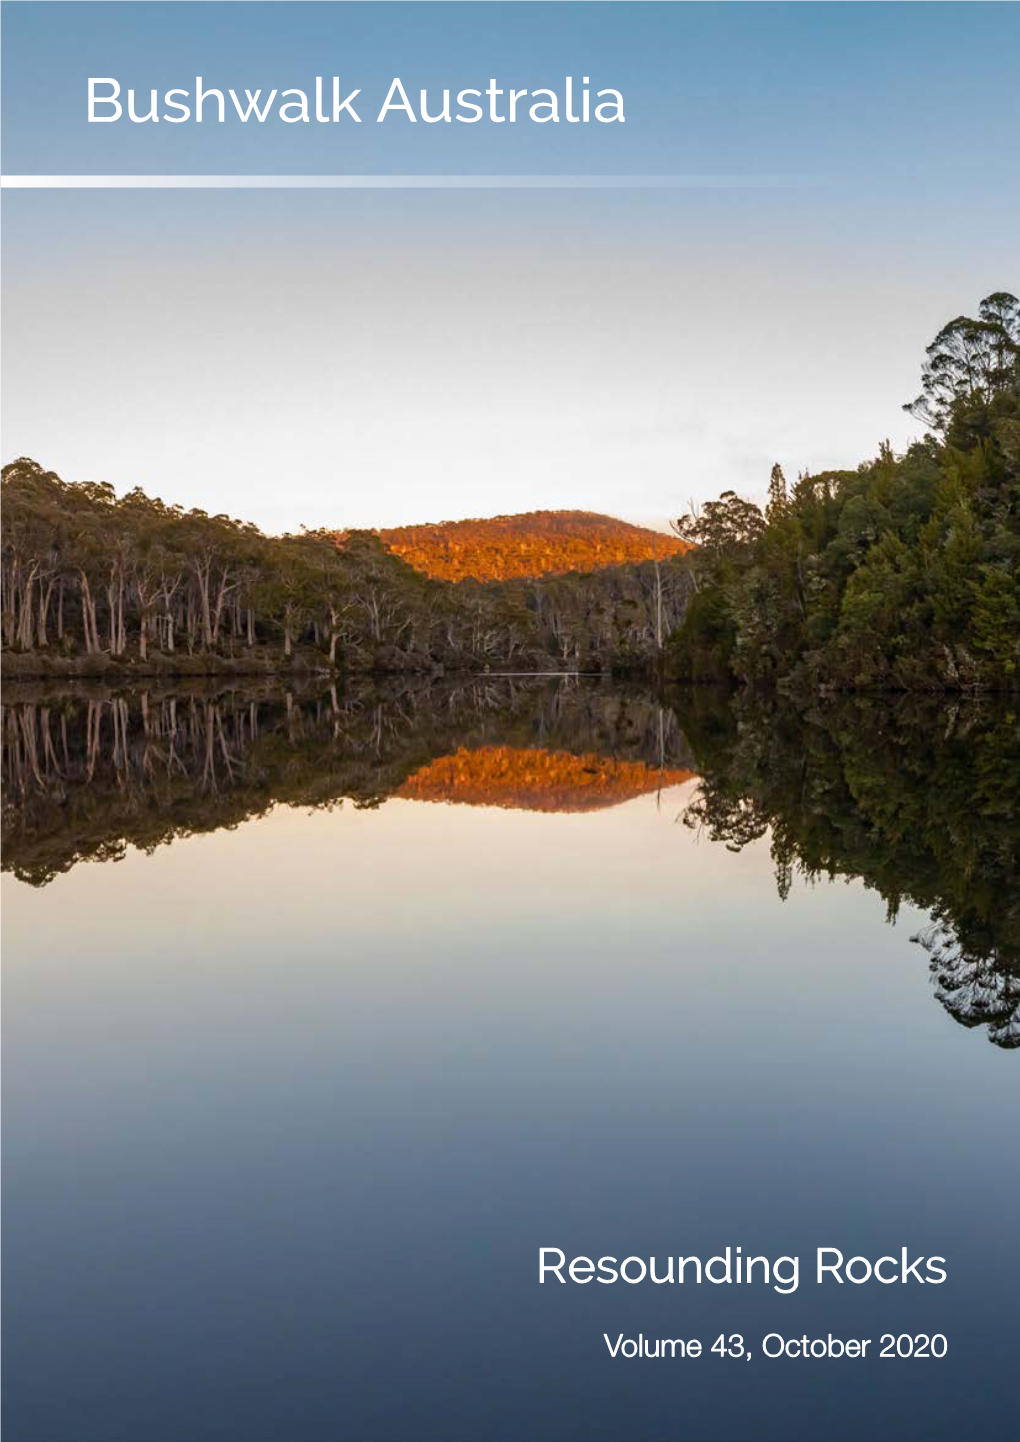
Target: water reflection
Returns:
[[919, 801], [916, 799], [291, 1103], [87, 774]]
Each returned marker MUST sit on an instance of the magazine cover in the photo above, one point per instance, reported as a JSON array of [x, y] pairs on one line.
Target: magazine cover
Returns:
[[510, 721]]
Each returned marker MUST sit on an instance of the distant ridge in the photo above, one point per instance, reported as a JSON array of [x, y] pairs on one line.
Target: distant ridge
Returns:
[[535, 543]]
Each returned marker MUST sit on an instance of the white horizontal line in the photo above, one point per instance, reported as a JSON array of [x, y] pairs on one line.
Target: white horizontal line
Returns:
[[404, 182]]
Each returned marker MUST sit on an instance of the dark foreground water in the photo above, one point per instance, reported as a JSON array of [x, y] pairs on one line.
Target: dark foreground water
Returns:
[[428, 980]]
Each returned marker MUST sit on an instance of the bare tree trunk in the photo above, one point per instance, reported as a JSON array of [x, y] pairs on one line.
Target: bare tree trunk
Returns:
[[221, 597], [88, 616], [207, 636], [7, 604], [25, 627], [202, 572], [115, 617], [658, 606], [44, 606]]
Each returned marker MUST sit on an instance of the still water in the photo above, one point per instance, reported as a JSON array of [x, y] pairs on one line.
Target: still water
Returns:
[[323, 1013]]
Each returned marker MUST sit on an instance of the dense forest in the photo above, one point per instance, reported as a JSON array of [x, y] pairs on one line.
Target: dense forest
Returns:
[[93, 583], [902, 574], [537, 543]]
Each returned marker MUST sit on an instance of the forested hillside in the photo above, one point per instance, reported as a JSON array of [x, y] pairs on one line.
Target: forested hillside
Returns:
[[537, 543], [92, 582], [902, 574]]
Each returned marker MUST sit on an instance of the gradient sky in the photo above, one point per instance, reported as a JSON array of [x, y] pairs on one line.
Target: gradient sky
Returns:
[[372, 357]]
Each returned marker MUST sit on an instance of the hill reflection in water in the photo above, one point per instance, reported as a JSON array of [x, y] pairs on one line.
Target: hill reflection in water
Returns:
[[89, 773], [534, 778], [918, 801]]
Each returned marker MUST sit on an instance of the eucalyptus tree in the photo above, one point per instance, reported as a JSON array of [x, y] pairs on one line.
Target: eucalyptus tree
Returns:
[[971, 358]]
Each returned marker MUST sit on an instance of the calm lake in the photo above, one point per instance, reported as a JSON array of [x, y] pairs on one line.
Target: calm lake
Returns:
[[324, 1012]]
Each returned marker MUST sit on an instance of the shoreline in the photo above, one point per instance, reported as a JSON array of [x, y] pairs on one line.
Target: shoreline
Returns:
[[27, 666]]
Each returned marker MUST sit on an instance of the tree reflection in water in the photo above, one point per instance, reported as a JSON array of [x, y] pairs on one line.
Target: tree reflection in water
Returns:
[[917, 800], [89, 773]]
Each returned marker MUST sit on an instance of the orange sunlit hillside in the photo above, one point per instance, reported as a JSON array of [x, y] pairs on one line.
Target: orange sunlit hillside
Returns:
[[533, 779], [537, 543]]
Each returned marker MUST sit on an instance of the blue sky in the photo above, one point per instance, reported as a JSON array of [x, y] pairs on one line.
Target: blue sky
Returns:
[[877, 92], [366, 357]]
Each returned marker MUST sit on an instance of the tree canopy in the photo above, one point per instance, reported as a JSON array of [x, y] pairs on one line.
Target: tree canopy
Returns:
[[899, 574]]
